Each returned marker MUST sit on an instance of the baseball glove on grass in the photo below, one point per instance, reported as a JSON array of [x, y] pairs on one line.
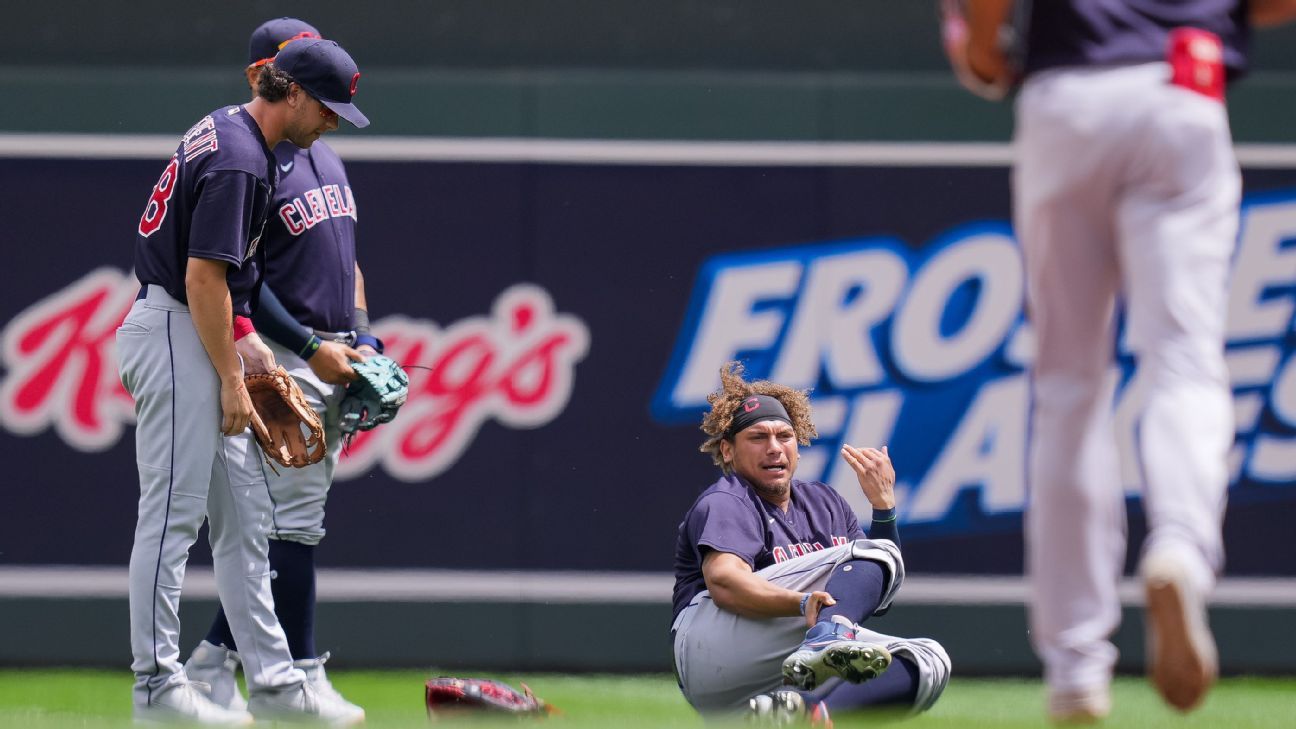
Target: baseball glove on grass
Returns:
[[375, 395], [280, 411], [448, 695]]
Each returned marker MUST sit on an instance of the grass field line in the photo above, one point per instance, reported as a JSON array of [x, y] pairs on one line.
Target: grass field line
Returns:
[[434, 585], [586, 151]]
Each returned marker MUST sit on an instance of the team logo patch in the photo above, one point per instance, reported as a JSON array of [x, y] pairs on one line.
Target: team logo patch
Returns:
[[354, 80], [750, 404]]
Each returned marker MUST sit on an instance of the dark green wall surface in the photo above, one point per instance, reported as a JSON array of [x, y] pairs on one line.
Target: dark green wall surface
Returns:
[[672, 69]]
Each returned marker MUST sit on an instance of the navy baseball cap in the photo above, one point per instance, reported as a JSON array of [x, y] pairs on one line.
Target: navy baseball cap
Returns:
[[326, 72], [271, 36]]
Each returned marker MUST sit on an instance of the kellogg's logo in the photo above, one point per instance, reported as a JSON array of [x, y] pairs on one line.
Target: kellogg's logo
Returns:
[[516, 365]]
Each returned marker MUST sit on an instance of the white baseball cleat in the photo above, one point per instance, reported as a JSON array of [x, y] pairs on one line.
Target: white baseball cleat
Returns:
[[1079, 707], [786, 707], [187, 703], [216, 666], [303, 703], [1182, 659], [315, 675]]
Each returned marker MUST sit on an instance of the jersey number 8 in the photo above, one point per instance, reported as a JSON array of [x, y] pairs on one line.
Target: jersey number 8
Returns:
[[156, 210]]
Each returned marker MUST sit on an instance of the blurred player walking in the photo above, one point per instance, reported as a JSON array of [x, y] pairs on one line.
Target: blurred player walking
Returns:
[[1125, 184]]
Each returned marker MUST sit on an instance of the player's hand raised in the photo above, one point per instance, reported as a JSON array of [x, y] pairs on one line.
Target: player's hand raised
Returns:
[[332, 363], [874, 472]]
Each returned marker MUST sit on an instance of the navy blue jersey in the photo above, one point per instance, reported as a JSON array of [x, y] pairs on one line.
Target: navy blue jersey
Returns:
[[730, 517], [1111, 32], [310, 242], [211, 202]]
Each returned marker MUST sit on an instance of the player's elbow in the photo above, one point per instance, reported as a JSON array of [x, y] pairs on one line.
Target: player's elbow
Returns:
[[202, 274]]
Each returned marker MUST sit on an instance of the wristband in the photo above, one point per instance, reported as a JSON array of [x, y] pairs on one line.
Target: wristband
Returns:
[[312, 346], [884, 514], [242, 327], [369, 339], [804, 600]]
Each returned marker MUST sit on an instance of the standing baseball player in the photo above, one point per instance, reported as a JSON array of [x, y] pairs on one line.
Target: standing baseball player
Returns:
[[313, 312], [761, 555], [1125, 183], [198, 255]]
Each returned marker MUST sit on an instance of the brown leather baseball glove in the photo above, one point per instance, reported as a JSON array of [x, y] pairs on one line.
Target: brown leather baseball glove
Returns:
[[448, 695], [279, 413]]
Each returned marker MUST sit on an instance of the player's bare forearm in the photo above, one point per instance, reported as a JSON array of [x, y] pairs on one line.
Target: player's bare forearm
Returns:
[[210, 307], [1272, 12], [361, 301], [736, 589], [985, 57]]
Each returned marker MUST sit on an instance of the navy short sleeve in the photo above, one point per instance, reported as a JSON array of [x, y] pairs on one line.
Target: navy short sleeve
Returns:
[[726, 524], [222, 220]]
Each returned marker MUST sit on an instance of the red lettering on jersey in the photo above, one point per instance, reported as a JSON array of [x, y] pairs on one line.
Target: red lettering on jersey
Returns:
[[61, 363], [350, 203], [838, 541], [156, 209], [817, 547], [318, 212], [291, 218], [780, 555], [333, 196]]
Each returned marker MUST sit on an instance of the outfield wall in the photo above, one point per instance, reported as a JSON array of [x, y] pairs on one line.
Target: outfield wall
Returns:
[[572, 301]]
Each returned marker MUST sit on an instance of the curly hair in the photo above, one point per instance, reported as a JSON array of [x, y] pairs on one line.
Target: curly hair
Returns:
[[272, 84], [733, 390]]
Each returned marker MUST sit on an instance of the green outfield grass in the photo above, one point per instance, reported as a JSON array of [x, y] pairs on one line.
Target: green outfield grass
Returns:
[[100, 699]]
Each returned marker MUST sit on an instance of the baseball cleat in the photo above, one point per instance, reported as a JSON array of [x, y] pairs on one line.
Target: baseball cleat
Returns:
[[315, 676], [786, 707], [1079, 707], [215, 666], [303, 703], [187, 703], [1182, 659], [830, 649]]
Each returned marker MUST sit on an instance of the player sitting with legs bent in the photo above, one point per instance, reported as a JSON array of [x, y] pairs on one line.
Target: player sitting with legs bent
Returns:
[[760, 556]]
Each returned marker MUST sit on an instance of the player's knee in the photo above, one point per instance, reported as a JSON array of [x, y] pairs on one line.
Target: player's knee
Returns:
[[885, 553]]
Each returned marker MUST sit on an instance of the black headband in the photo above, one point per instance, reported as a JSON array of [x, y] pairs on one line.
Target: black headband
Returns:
[[755, 409]]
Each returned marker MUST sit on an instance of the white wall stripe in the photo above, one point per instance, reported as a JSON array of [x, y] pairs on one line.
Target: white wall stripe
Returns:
[[350, 585], [564, 151]]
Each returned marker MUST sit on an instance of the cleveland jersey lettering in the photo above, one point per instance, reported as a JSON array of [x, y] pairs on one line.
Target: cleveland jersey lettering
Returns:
[[316, 205]]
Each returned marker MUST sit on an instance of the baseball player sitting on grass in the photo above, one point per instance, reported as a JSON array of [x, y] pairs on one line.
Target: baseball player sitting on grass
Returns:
[[760, 556]]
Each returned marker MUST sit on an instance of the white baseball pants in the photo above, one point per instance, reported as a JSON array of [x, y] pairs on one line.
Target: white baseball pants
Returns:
[[184, 478], [1124, 186]]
